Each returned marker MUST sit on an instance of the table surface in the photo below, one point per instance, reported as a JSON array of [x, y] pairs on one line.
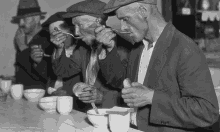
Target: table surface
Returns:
[[24, 116]]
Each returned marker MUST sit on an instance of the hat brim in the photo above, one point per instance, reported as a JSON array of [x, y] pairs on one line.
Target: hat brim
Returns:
[[112, 11], [71, 14], [16, 19]]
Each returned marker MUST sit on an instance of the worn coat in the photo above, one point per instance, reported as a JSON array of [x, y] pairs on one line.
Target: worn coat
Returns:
[[73, 70], [35, 77], [184, 97]]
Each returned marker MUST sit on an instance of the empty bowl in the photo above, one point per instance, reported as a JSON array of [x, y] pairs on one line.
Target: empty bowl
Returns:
[[48, 104], [33, 95], [98, 120]]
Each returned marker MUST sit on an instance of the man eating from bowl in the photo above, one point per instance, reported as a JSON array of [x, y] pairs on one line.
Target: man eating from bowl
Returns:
[[171, 86], [82, 60]]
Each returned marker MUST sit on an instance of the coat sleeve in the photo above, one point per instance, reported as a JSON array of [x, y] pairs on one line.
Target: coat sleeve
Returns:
[[25, 63], [65, 67], [43, 68], [197, 104]]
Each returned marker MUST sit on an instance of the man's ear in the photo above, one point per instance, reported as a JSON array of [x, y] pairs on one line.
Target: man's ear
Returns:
[[144, 12]]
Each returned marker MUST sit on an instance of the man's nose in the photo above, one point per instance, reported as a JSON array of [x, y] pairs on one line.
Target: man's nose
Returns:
[[123, 26], [76, 32], [21, 22]]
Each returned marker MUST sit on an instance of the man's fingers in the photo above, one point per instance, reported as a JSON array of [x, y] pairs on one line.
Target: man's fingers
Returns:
[[127, 96], [56, 33], [127, 82], [98, 29], [129, 101], [85, 94], [134, 84], [35, 47], [89, 98], [128, 90], [36, 54], [88, 89], [104, 34]]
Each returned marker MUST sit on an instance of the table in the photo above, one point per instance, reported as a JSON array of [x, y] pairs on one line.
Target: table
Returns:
[[24, 116]]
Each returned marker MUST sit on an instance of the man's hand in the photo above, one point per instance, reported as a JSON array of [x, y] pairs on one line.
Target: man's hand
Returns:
[[89, 94], [106, 37], [137, 95], [58, 38], [59, 92], [36, 53]]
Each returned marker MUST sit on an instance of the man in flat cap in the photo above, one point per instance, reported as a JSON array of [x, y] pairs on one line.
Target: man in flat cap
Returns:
[[82, 60], [170, 83], [56, 22]]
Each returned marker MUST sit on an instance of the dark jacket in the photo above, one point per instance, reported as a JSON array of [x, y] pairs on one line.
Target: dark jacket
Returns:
[[184, 97], [36, 77]]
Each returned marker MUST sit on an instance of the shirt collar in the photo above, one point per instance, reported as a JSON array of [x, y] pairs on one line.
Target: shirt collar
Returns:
[[147, 44]]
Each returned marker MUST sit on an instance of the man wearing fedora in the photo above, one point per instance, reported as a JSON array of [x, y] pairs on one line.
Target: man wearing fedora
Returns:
[[30, 42], [82, 60], [170, 84], [28, 19]]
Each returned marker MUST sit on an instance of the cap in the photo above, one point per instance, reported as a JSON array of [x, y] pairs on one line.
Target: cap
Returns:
[[88, 7], [113, 5]]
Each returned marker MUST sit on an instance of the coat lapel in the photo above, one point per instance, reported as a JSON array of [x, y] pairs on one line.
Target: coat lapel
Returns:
[[134, 60], [80, 57], [159, 57]]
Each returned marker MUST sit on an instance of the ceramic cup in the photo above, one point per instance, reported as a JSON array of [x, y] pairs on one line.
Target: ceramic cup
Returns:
[[17, 91], [64, 104], [5, 85], [123, 120]]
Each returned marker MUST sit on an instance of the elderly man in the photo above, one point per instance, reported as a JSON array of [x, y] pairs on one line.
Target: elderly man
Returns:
[[28, 18], [33, 47], [171, 86], [57, 22], [82, 59]]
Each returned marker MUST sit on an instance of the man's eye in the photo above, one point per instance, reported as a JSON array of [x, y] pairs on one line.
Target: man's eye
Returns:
[[125, 19], [81, 25]]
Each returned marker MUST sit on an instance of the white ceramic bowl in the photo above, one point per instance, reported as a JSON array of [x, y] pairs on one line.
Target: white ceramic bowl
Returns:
[[33, 95], [98, 120], [48, 104]]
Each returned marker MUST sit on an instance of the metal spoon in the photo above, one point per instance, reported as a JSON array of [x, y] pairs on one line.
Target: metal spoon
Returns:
[[95, 108]]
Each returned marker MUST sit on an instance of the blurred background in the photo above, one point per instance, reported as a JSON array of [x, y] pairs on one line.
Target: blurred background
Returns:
[[199, 19]]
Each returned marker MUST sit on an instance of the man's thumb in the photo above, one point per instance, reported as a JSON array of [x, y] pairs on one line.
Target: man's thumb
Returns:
[[127, 82]]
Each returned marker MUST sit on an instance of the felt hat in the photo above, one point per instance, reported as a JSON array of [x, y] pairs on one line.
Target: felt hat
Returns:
[[27, 8], [53, 18]]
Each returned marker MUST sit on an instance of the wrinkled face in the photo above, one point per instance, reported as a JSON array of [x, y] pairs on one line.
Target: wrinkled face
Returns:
[[28, 24], [58, 25], [85, 28], [133, 22]]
